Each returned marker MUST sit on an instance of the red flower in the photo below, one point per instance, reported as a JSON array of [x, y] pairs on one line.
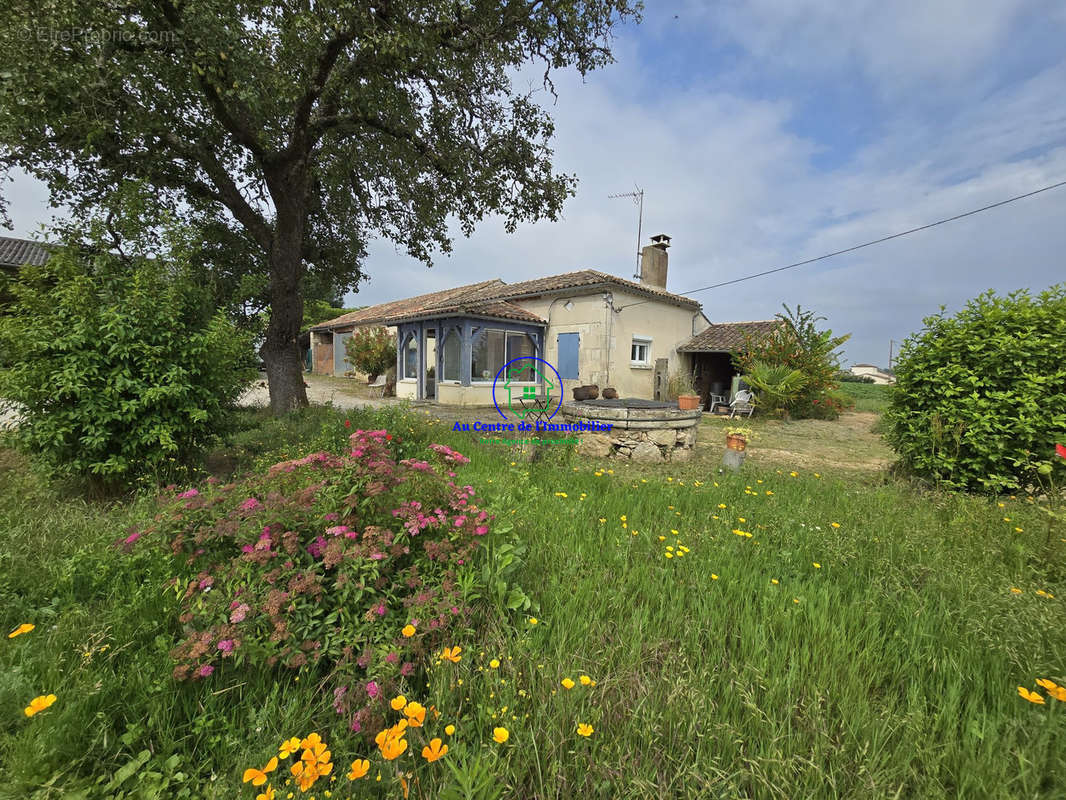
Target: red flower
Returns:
[[1061, 450], [388, 437], [347, 423]]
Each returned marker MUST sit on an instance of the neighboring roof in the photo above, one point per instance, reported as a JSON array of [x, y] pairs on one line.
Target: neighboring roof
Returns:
[[873, 366], [16, 252], [493, 298], [727, 337]]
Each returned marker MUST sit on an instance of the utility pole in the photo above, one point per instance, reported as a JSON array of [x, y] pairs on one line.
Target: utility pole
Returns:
[[638, 197], [891, 342]]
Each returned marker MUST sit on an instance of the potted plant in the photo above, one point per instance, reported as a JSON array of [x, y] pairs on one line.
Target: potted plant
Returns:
[[737, 438], [682, 386]]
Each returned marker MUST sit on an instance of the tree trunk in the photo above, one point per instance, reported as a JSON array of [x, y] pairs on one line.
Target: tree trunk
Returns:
[[281, 350]]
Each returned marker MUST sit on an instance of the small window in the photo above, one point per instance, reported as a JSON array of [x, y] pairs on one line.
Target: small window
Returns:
[[410, 358], [640, 351]]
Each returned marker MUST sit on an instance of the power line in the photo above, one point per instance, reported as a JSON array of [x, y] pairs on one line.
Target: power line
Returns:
[[864, 244]]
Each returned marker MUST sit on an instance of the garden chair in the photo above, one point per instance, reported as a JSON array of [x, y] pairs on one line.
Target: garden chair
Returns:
[[743, 403], [378, 385]]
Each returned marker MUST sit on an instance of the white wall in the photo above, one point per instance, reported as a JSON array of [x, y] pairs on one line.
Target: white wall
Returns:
[[606, 337]]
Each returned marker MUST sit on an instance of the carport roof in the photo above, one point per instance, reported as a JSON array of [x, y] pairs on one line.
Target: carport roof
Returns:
[[727, 337]]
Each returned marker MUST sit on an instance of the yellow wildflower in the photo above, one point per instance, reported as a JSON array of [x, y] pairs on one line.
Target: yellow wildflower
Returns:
[[360, 767], [1032, 697], [39, 704]]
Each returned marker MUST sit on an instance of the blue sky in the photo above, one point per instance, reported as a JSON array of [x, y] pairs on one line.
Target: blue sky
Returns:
[[765, 132]]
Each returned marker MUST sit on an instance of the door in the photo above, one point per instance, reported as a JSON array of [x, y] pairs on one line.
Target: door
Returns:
[[569, 346], [429, 380], [340, 355], [661, 374]]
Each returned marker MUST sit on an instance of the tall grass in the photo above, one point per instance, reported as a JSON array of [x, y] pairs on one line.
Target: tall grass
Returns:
[[867, 396], [889, 670]]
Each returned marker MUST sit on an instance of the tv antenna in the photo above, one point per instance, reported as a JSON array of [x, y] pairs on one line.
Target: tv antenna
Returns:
[[638, 198]]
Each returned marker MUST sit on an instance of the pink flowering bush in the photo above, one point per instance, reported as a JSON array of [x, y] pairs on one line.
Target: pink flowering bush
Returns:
[[320, 564]]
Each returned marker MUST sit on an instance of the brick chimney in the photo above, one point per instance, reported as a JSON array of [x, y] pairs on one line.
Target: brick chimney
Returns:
[[653, 260]]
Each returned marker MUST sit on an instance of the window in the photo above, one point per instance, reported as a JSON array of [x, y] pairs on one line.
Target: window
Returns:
[[494, 348], [640, 351], [410, 358], [452, 350], [487, 356], [519, 345]]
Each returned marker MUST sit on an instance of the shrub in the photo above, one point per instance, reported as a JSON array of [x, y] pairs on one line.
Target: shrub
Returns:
[[797, 344], [980, 398], [347, 566], [121, 368], [850, 377], [778, 386], [371, 350]]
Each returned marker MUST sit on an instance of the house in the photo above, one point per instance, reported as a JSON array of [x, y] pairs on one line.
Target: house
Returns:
[[870, 371], [592, 327]]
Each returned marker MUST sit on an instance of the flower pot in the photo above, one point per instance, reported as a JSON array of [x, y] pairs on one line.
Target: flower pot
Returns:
[[736, 442], [688, 402]]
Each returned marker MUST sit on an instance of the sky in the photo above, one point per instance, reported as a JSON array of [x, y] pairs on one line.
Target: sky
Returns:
[[765, 132]]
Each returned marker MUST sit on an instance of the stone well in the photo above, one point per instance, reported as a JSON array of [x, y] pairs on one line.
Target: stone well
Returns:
[[641, 430]]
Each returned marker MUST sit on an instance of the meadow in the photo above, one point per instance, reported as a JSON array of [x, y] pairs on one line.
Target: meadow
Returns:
[[794, 629]]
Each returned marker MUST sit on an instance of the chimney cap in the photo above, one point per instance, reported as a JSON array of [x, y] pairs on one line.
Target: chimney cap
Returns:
[[661, 240]]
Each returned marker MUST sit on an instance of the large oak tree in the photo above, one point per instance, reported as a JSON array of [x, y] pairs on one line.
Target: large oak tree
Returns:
[[304, 127]]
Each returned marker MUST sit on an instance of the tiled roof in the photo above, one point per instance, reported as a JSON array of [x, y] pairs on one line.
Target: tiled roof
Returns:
[[494, 298], [472, 307], [727, 337], [589, 278], [377, 315], [16, 252]]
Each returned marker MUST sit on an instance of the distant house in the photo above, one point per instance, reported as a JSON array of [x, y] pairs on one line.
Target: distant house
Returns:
[[871, 371], [593, 327]]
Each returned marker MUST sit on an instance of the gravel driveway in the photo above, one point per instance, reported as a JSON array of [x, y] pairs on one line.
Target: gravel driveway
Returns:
[[318, 393]]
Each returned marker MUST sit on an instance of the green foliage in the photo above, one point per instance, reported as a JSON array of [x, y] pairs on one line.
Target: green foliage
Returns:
[[317, 311], [874, 644], [681, 383], [866, 396], [849, 377], [295, 135], [121, 367], [777, 384], [371, 350], [798, 344], [980, 398], [273, 574]]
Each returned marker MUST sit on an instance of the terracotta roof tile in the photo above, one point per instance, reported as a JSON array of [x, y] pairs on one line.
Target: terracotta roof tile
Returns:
[[16, 252], [493, 298], [377, 315], [727, 337], [587, 278], [474, 307]]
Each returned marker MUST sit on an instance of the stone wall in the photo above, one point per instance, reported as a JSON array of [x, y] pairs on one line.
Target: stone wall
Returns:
[[647, 436]]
